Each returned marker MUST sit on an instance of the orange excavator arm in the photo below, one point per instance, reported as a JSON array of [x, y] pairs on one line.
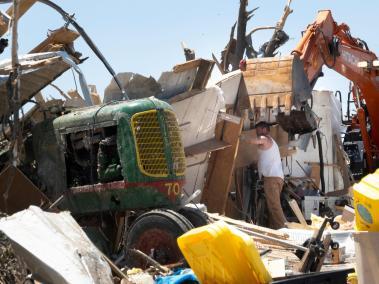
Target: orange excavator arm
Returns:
[[327, 43]]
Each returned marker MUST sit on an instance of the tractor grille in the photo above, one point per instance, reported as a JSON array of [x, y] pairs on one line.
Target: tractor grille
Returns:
[[149, 143], [177, 152]]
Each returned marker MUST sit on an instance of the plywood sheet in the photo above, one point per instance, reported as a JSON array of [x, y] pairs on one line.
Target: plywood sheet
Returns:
[[221, 168], [206, 146]]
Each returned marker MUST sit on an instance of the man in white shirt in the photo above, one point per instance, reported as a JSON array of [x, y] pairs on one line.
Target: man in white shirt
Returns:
[[270, 168]]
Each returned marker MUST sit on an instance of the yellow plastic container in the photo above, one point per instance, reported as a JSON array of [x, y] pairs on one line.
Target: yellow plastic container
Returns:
[[352, 278], [366, 203], [217, 253]]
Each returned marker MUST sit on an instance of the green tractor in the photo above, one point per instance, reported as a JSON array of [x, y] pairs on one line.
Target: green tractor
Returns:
[[119, 169]]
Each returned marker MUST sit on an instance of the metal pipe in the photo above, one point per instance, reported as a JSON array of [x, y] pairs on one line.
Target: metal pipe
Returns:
[[15, 83]]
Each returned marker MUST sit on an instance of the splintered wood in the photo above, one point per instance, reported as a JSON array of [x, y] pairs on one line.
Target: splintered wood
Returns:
[[277, 251], [24, 6], [56, 39], [249, 226], [221, 167]]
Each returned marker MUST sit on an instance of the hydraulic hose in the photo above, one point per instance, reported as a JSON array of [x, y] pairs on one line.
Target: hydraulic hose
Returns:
[[321, 157]]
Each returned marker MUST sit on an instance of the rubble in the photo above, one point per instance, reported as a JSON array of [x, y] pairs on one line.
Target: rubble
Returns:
[[158, 161], [12, 269], [52, 244]]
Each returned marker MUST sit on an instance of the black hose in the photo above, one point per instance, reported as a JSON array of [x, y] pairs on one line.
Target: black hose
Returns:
[[321, 157]]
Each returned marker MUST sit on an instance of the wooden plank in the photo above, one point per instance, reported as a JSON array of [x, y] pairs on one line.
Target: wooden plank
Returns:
[[249, 226], [295, 208], [326, 242], [210, 145], [187, 65], [220, 171], [23, 6], [315, 174], [203, 74], [59, 36], [229, 117], [318, 163]]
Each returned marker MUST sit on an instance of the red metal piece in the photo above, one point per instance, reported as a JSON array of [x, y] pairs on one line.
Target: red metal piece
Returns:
[[171, 189], [242, 65], [366, 138]]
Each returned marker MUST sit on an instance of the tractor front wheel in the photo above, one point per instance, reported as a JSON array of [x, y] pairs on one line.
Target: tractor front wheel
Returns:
[[155, 233]]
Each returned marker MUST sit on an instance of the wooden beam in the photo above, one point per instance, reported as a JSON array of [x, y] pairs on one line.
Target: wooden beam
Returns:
[[326, 242], [299, 215], [249, 226], [210, 145], [59, 36], [191, 64], [23, 6], [221, 167], [187, 65], [203, 74]]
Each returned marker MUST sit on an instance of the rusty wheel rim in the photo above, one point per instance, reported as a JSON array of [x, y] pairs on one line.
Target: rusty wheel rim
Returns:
[[158, 244]]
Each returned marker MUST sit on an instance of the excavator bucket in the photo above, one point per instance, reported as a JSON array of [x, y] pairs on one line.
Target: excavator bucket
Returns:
[[278, 91]]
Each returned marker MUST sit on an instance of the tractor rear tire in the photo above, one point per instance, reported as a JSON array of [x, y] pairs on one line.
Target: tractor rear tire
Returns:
[[197, 217]]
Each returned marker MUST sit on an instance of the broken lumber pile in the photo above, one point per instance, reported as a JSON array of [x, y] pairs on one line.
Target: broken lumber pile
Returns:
[[248, 226]]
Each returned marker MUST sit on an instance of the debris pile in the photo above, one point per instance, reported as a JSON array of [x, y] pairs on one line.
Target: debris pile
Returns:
[[12, 269], [162, 180]]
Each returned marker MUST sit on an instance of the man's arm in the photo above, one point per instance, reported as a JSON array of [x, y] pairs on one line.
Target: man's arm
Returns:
[[263, 141]]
